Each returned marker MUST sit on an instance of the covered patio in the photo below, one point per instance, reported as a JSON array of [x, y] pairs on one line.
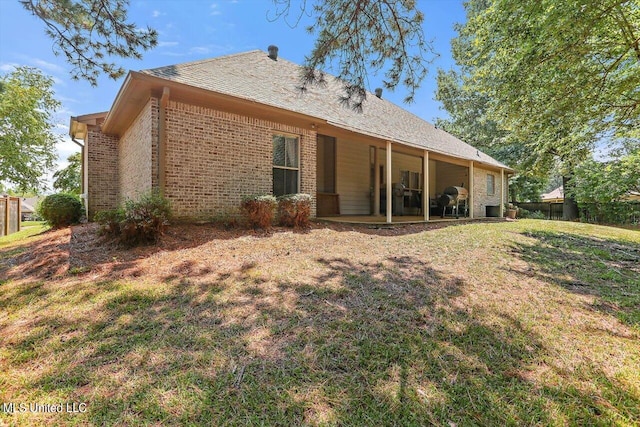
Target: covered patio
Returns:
[[365, 180], [382, 220]]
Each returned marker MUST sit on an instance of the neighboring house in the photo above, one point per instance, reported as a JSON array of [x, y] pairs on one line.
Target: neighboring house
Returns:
[[633, 196], [29, 207], [207, 133], [555, 196], [27, 211]]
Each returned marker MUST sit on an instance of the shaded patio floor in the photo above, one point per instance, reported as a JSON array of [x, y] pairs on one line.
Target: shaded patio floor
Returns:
[[406, 219]]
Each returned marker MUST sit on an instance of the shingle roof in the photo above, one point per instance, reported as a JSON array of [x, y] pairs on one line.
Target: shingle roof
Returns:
[[558, 193], [255, 77]]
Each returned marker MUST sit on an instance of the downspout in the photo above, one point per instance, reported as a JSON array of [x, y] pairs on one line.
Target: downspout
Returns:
[[83, 190]]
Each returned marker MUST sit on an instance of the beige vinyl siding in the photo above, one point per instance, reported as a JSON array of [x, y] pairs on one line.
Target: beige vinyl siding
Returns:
[[352, 184], [404, 162], [448, 175], [432, 178], [399, 162]]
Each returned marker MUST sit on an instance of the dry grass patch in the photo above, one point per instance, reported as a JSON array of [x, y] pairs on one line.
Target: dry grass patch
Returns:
[[526, 323]]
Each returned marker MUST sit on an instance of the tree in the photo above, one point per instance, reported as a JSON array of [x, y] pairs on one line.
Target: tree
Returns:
[[606, 182], [87, 32], [68, 179], [469, 121], [559, 76], [364, 37], [27, 142], [574, 63]]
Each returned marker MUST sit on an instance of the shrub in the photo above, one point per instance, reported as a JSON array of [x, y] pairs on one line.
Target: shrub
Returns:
[[145, 219], [537, 215], [110, 221], [258, 210], [140, 221], [60, 210], [227, 218], [294, 210]]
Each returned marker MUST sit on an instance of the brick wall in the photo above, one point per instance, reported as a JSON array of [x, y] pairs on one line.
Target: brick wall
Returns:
[[214, 158], [137, 154], [102, 171], [481, 198]]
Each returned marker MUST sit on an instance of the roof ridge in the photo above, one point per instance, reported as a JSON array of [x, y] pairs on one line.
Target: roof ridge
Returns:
[[201, 61]]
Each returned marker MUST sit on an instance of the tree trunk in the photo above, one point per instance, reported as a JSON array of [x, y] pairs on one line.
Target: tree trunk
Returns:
[[569, 206]]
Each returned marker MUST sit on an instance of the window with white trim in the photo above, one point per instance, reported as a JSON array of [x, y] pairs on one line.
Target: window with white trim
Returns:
[[286, 161], [491, 185]]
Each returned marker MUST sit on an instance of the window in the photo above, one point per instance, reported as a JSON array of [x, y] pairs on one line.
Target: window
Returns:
[[491, 185], [411, 180], [286, 170]]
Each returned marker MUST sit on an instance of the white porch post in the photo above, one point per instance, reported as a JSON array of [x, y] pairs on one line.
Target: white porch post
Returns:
[[376, 183], [471, 189], [425, 185], [389, 192], [501, 193]]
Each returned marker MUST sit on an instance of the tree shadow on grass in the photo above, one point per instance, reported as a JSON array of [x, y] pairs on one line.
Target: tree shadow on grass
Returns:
[[383, 343], [608, 269], [79, 250]]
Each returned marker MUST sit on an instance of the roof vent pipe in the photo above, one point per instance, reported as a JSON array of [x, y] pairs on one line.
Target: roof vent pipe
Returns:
[[273, 52], [379, 92]]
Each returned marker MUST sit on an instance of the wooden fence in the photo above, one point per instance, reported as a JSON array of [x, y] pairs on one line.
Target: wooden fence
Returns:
[[9, 215], [550, 210], [623, 212]]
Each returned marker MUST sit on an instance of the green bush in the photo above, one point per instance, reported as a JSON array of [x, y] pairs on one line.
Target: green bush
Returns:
[[110, 221], [537, 215], [142, 220], [60, 210], [145, 219], [294, 210], [258, 210]]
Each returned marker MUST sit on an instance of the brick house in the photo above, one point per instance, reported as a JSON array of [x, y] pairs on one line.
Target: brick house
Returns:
[[207, 133]]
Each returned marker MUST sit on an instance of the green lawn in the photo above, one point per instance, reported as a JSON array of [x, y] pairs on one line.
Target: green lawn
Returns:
[[524, 323], [27, 229]]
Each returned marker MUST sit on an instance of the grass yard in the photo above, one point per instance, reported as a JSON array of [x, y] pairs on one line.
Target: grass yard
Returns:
[[487, 323], [27, 229]]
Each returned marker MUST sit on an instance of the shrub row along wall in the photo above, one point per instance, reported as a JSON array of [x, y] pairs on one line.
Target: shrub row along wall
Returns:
[[9, 215]]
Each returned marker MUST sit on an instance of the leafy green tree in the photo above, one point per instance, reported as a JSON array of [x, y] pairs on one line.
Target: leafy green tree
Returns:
[[68, 179], [88, 32], [469, 120], [364, 37], [27, 142], [606, 182], [561, 71], [559, 76]]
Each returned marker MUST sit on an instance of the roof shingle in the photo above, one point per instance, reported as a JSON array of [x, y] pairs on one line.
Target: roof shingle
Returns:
[[253, 76]]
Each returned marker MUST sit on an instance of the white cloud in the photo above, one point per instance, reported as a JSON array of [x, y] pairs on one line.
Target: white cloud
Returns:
[[173, 53], [157, 13], [48, 66], [168, 44], [65, 148], [58, 81], [214, 10], [8, 67], [199, 50]]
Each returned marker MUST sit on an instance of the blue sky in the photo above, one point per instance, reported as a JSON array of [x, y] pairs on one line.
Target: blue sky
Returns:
[[191, 30]]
